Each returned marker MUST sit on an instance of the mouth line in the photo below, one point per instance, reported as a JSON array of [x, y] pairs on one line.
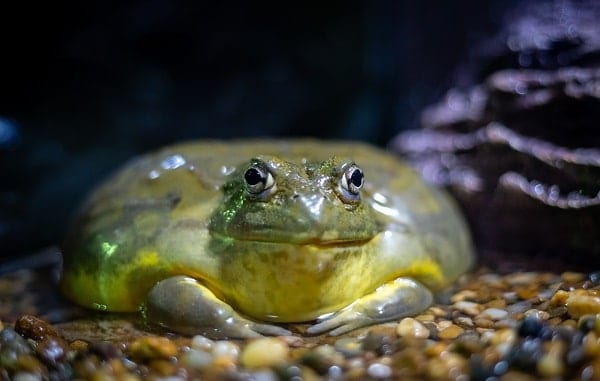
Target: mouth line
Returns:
[[303, 242]]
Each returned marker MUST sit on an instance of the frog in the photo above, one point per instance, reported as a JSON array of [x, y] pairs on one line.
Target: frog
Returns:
[[236, 238]]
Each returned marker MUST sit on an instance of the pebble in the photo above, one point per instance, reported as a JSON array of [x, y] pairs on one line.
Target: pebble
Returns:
[[226, 350], [153, 347], [409, 327], [264, 352], [377, 370], [197, 359], [349, 346], [24, 376], [52, 350], [202, 343], [469, 308], [583, 302], [494, 313], [483, 331], [550, 366], [450, 332], [34, 328]]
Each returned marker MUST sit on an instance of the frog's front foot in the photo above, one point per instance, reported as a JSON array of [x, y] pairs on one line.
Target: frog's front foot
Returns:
[[393, 300], [185, 306]]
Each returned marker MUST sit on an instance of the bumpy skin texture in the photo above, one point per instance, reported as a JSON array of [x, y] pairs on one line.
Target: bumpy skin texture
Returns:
[[181, 232]]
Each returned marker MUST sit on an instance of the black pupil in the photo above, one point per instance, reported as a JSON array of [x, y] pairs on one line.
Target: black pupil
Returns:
[[356, 178], [253, 176]]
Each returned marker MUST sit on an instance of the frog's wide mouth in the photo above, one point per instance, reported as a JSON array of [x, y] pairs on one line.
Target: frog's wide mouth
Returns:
[[296, 240]]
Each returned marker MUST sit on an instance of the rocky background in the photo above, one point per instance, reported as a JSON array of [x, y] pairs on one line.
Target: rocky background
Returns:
[[518, 139]]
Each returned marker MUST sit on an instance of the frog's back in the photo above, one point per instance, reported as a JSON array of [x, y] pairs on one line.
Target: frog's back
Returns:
[[146, 221]]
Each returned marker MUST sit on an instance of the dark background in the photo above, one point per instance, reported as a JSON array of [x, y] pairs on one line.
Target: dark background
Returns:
[[86, 85]]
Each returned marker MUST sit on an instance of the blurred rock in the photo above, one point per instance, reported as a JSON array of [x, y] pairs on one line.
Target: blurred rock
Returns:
[[521, 149]]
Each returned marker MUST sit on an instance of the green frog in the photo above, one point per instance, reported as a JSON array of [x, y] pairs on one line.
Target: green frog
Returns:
[[228, 238]]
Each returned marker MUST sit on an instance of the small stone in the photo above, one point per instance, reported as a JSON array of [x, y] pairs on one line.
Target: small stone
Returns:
[[522, 278], [30, 364], [52, 349], [503, 336], [378, 370], [202, 343], [34, 328], [324, 356], [537, 314], [559, 298], [550, 366], [450, 332], [24, 376], [163, 367], [409, 327], [464, 295], [483, 322], [106, 350], [79, 345], [153, 347], [197, 359], [437, 311], [496, 303], [264, 375], [582, 302], [572, 277], [226, 349], [494, 313], [469, 308], [349, 346], [264, 352], [464, 321], [425, 318]]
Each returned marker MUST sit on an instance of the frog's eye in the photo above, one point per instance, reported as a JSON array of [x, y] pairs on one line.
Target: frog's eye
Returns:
[[352, 180], [258, 179]]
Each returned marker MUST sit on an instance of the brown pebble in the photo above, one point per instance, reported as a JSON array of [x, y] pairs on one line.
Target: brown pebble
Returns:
[[30, 364], [450, 332], [483, 322], [152, 347], [571, 277], [559, 298], [34, 328], [464, 295], [163, 367], [79, 345], [581, 302]]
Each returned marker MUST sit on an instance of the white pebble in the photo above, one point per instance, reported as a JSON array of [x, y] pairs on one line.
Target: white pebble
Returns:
[[226, 349], [377, 370], [264, 375], [24, 376], [202, 343], [197, 359], [495, 313]]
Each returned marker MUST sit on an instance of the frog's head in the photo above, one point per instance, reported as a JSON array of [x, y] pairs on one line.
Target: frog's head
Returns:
[[272, 200]]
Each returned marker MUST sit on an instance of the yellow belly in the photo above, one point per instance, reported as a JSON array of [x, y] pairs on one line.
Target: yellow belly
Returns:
[[296, 282]]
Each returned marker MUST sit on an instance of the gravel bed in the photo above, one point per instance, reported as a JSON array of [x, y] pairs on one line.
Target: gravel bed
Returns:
[[518, 326]]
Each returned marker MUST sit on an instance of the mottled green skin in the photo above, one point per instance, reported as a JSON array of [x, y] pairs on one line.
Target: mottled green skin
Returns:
[[293, 255]]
